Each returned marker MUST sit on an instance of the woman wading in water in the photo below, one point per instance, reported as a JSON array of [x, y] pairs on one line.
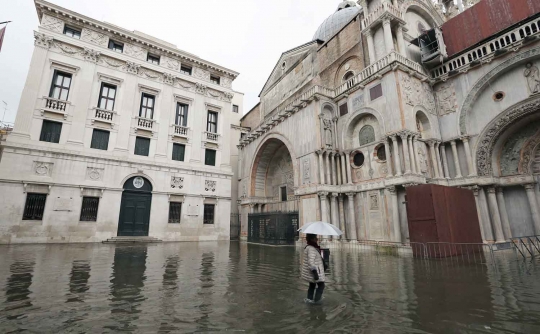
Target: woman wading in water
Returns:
[[313, 269]]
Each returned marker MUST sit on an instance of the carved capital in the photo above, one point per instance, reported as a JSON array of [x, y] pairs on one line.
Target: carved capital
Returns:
[[392, 190], [322, 194], [321, 116], [529, 186], [491, 190], [350, 195], [42, 40], [464, 139], [335, 195], [500, 190], [319, 152]]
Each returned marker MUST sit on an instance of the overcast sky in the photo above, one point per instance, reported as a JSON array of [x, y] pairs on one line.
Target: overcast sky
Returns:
[[247, 36]]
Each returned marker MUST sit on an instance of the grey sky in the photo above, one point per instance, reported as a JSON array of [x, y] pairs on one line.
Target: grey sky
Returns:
[[244, 35]]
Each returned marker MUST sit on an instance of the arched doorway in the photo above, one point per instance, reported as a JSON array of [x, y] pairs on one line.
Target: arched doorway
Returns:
[[135, 207]]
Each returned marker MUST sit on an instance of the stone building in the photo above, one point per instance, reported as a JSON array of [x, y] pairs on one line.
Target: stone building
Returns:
[[395, 93], [118, 134]]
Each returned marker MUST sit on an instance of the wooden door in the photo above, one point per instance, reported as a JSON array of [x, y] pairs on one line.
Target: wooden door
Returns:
[[134, 214]]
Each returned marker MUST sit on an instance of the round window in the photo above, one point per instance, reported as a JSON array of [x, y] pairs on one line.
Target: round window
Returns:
[[499, 96], [358, 159], [381, 153]]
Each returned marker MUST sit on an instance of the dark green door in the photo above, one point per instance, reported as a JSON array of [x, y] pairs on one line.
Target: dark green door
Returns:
[[134, 214]]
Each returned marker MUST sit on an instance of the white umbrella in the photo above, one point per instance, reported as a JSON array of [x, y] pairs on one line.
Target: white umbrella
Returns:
[[320, 228]]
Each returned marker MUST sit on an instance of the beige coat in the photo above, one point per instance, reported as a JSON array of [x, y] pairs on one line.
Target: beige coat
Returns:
[[312, 260]]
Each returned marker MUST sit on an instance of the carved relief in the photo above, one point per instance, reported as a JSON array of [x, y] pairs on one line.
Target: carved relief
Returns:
[[446, 98], [42, 40], [173, 64], [112, 62], [528, 156], [177, 182], [533, 78], [358, 102], [52, 23], [184, 84], [43, 168], [91, 55], [374, 202], [168, 78], [150, 74], [94, 174], [226, 82], [201, 74], [227, 96], [209, 185], [132, 68], [134, 51], [417, 93], [422, 157], [68, 49], [200, 88], [306, 175], [94, 37]]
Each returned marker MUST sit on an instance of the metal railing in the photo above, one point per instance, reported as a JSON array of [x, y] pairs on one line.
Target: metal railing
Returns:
[[527, 246], [211, 136], [145, 123], [104, 115], [499, 45], [180, 130], [55, 104]]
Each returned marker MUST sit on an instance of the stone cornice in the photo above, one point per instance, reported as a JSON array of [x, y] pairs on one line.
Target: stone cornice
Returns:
[[57, 11]]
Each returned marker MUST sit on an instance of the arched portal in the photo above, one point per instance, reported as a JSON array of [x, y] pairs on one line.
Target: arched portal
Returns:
[[135, 207]]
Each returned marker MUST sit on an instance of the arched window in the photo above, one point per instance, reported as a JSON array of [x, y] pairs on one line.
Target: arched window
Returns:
[[367, 135], [348, 76]]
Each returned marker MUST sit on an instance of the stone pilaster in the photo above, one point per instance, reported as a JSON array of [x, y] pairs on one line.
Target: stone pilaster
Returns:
[[343, 168], [334, 210], [401, 40], [348, 165], [483, 231], [414, 168], [445, 161], [371, 46], [351, 222], [495, 214], [456, 159], [434, 164], [533, 203], [397, 161], [328, 176], [472, 171], [406, 155], [388, 40], [320, 153], [504, 214], [333, 167], [342, 217], [338, 168], [395, 213], [388, 158]]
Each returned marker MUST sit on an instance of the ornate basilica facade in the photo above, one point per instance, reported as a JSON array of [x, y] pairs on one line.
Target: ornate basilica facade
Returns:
[[390, 94]]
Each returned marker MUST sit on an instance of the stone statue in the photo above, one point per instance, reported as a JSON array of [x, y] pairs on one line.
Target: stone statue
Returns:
[[533, 78], [328, 133]]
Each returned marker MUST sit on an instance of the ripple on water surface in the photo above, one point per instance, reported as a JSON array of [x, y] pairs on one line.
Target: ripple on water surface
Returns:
[[218, 287]]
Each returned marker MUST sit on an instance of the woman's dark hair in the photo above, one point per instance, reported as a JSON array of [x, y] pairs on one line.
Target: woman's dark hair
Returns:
[[310, 237]]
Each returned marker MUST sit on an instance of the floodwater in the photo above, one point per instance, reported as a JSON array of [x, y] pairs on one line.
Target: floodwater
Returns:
[[236, 287]]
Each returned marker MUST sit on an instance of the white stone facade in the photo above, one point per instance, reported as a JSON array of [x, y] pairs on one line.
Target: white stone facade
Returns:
[[71, 169], [362, 119]]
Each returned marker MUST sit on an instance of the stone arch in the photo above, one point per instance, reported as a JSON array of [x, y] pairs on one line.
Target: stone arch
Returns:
[[482, 83], [352, 64], [354, 119], [125, 179], [423, 125], [429, 13], [496, 132], [267, 149], [367, 135]]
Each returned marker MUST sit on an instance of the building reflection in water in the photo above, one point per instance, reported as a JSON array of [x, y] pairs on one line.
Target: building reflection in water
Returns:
[[78, 281], [18, 290], [205, 293], [127, 283], [170, 293]]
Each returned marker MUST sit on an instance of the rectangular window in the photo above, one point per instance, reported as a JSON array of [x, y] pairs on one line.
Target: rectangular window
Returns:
[[208, 217], [60, 85], [181, 114], [283, 191], [185, 70], [72, 32], [178, 152], [50, 131], [142, 146], [116, 46], [175, 212], [153, 59], [34, 206], [214, 79], [100, 140], [235, 108], [107, 96], [376, 92], [343, 109], [147, 106], [89, 209], [211, 122], [210, 157]]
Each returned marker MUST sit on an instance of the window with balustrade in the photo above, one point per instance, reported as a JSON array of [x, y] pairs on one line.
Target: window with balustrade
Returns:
[[210, 157], [178, 152], [142, 146], [60, 85], [211, 122], [107, 96], [50, 131], [181, 114], [147, 106], [100, 140]]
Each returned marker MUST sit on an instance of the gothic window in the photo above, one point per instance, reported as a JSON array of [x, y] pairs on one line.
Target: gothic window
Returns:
[[367, 135]]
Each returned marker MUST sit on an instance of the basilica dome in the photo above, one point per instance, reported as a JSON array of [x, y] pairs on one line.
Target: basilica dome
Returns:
[[335, 22]]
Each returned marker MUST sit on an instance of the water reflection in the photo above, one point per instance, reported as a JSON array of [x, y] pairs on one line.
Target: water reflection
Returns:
[[18, 290], [78, 281]]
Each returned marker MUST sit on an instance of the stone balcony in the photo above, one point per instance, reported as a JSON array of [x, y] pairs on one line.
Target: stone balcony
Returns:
[[211, 137], [55, 106], [145, 124], [180, 131], [103, 116], [384, 10]]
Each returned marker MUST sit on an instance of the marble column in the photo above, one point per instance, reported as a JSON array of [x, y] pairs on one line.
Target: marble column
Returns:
[[388, 41], [533, 203], [504, 214], [348, 165], [324, 208], [416, 157], [397, 161], [343, 166], [334, 210], [401, 40], [439, 162], [433, 160], [351, 222], [456, 159], [476, 192], [495, 215], [334, 121], [395, 213], [342, 218], [411, 155], [468, 156], [338, 168], [445, 161], [321, 166], [333, 167], [388, 157], [252, 207], [371, 47], [328, 177], [406, 156]]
